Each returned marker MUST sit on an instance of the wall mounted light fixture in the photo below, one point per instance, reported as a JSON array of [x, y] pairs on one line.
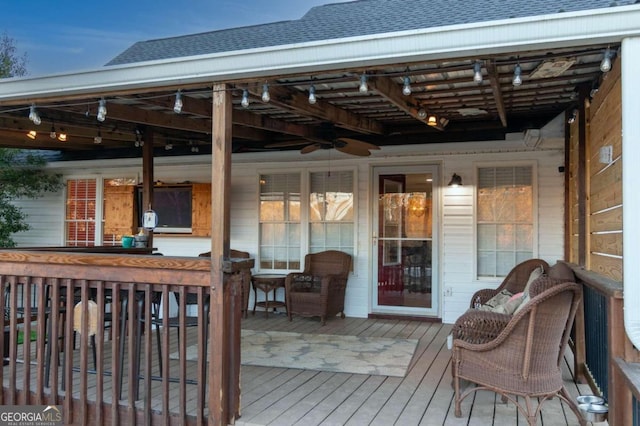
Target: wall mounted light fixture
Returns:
[[456, 180]]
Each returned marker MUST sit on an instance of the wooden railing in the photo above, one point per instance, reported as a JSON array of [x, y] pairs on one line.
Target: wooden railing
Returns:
[[105, 342], [602, 349]]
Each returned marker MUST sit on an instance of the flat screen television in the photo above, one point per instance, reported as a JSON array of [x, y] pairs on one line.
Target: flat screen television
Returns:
[[172, 204]]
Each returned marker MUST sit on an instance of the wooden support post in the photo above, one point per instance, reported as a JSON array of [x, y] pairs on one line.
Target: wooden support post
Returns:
[[220, 387], [147, 177]]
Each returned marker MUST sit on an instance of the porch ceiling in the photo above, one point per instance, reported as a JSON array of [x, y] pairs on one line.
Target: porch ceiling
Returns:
[[381, 116]]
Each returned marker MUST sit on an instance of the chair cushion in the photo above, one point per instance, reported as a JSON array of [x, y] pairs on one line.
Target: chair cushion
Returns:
[[497, 302], [535, 274]]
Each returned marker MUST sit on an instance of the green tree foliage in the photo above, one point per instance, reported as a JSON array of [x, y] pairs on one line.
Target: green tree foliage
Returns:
[[11, 65], [22, 173]]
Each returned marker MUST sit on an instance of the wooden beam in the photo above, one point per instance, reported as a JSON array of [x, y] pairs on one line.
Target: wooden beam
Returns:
[[297, 101], [392, 92], [494, 80], [147, 176]]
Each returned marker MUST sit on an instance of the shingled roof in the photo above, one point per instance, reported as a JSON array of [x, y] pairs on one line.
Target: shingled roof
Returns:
[[352, 19]]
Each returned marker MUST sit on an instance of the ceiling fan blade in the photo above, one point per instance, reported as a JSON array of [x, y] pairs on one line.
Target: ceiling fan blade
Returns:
[[354, 150], [285, 144], [310, 148], [361, 144]]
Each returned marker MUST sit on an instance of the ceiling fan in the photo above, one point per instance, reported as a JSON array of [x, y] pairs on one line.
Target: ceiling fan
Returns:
[[327, 140]]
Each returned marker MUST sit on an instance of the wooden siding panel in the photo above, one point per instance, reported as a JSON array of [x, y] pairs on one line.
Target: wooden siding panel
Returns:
[[607, 243], [606, 188], [610, 220], [610, 267]]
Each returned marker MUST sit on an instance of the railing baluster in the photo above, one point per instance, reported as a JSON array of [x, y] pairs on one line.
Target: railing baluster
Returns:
[[29, 287], [147, 354], [182, 349], [68, 339], [99, 342], [164, 358], [117, 315], [84, 343], [41, 330]]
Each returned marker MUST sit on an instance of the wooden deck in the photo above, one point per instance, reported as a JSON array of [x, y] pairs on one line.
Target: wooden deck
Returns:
[[276, 396], [281, 396]]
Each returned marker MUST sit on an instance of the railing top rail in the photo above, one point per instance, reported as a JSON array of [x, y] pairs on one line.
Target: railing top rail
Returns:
[[601, 284]]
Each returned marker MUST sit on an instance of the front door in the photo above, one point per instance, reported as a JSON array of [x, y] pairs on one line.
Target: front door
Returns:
[[404, 223]]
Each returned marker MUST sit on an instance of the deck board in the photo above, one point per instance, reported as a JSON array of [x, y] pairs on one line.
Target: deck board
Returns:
[[287, 396]]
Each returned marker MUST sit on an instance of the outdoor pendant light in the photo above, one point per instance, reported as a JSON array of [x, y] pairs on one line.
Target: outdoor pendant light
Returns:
[[312, 94], [477, 72], [517, 76], [364, 87], [266, 97], [406, 88]]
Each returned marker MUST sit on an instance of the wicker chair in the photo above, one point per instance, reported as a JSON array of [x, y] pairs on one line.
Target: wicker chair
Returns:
[[476, 326], [319, 290], [524, 359], [514, 282]]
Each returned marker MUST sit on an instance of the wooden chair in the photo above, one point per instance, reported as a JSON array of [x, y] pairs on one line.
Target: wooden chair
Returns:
[[524, 359], [319, 290]]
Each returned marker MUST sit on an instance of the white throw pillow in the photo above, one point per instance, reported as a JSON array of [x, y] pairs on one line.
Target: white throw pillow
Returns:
[[535, 274]]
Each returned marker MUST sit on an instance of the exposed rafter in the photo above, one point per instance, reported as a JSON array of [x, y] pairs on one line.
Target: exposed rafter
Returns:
[[494, 80]]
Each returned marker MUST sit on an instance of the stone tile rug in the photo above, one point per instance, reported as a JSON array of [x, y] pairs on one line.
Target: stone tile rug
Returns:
[[323, 352]]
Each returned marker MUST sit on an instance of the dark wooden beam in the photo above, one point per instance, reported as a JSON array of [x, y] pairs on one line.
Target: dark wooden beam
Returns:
[[289, 99], [494, 80], [392, 92]]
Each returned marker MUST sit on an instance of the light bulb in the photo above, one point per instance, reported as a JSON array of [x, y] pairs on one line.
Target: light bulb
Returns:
[[364, 87], [432, 121], [62, 136], [605, 65], [34, 116], [98, 138], [477, 72], [52, 133], [102, 110], [245, 99], [312, 94], [265, 93], [32, 134], [517, 76], [406, 88], [177, 106], [422, 114]]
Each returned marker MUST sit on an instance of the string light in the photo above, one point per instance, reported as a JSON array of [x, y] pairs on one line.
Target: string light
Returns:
[[177, 106], [34, 116], [406, 88], [605, 65], [102, 110], [52, 133], [266, 97], [312, 94], [32, 134], [245, 99], [98, 137], [477, 72], [62, 136], [364, 87], [517, 76]]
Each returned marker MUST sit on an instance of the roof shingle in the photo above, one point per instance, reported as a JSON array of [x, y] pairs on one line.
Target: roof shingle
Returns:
[[357, 18]]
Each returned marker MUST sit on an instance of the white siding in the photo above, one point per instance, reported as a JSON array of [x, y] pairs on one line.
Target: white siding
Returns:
[[456, 245]]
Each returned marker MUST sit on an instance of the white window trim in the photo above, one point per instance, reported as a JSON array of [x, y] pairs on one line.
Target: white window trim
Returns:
[[305, 177], [534, 175]]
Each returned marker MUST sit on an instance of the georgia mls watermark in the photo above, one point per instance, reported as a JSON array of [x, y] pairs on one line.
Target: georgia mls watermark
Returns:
[[30, 415]]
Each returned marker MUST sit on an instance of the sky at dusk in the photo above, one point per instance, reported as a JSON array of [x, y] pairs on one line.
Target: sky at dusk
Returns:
[[61, 36]]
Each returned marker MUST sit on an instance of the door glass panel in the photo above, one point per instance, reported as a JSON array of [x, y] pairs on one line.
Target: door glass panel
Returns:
[[405, 239]]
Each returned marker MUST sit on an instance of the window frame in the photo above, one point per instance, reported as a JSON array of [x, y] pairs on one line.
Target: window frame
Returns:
[[534, 205], [305, 223]]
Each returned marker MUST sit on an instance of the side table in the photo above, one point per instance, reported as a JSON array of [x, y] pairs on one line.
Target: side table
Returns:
[[267, 283]]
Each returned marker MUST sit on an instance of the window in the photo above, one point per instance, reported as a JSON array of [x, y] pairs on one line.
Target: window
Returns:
[[326, 222], [280, 221], [505, 227], [331, 206], [80, 215]]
